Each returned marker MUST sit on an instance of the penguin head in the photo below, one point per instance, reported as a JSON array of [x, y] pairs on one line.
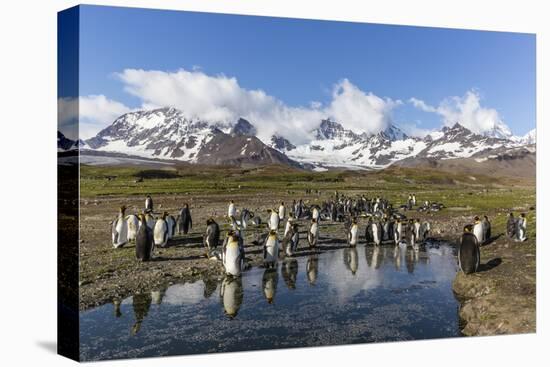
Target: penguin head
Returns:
[[468, 228], [122, 209], [476, 219], [142, 218], [272, 233], [164, 215]]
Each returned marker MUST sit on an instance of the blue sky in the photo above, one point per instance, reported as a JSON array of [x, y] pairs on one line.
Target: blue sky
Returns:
[[298, 62]]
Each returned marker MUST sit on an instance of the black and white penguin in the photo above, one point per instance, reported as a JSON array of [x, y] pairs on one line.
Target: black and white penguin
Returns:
[[160, 232], [312, 268], [424, 231], [271, 249], [289, 271], [185, 222], [290, 241], [231, 209], [486, 228], [417, 230], [246, 216], [315, 213], [368, 232], [233, 255], [273, 220], [478, 230], [211, 237], [150, 220], [282, 211], [313, 233], [148, 204], [522, 227], [119, 229], [353, 233], [398, 231], [376, 233], [231, 295], [144, 240], [511, 226], [289, 223], [468, 251], [171, 224], [269, 284], [385, 230], [133, 225], [410, 234]]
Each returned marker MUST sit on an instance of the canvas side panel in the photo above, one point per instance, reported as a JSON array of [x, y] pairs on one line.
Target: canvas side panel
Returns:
[[67, 183]]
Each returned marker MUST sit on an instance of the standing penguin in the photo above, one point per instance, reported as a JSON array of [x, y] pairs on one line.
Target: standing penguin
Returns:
[[144, 240], [398, 230], [290, 241], [231, 210], [289, 223], [315, 213], [120, 229], [171, 224], [424, 231], [487, 228], [282, 211], [417, 231], [468, 251], [376, 233], [522, 228], [185, 223], [271, 249], [313, 233], [233, 256], [133, 225], [148, 204], [353, 234], [368, 232], [160, 232], [231, 294], [211, 237], [511, 226], [478, 230], [273, 220], [150, 220], [246, 215]]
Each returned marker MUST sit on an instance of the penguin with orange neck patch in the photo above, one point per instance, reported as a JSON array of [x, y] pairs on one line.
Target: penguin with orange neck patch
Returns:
[[468, 251], [119, 230], [144, 240], [160, 232]]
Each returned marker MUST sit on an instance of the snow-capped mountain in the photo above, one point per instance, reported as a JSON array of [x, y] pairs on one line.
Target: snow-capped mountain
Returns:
[[66, 144], [529, 138], [168, 134]]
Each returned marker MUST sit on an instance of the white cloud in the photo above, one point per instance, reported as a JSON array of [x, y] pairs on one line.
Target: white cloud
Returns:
[[220, 98], [467, 110], [94, 112]]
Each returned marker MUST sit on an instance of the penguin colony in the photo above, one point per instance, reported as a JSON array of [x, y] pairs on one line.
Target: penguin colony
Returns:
[[385, 225]]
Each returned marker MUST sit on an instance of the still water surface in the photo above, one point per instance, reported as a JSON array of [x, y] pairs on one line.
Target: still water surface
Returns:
[[338, 297]]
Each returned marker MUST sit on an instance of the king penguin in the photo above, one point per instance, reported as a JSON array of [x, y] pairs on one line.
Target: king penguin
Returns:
[[133, 225], [120, 229], [478, 230], [376, 233], [271, 250], [212, 236], [185, 223], [290, 241], [282, 211], [148, 204], [171, 225], [313, 233], [273, 220], [160, 232], [353, 233], [144, 241], [468, 251], [398, 230], [233, 256]]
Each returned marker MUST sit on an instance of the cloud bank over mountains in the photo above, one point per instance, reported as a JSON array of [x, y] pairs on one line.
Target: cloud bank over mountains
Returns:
[[219, 98]]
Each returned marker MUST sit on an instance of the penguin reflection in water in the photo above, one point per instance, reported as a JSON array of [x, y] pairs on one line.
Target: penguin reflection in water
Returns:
[[468, 251], [231, 295], [269, 284], [271, 250], [312, 269], [289, 271], [120, 229], [141, 303], [350, 259]]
